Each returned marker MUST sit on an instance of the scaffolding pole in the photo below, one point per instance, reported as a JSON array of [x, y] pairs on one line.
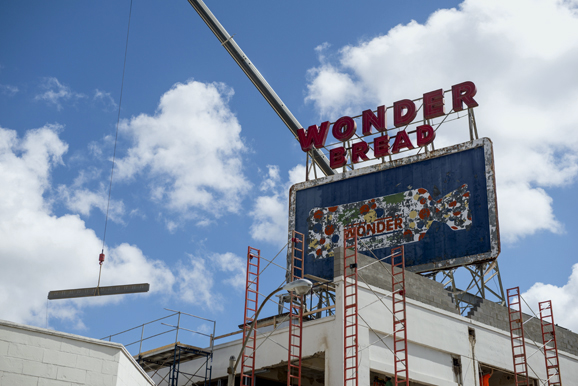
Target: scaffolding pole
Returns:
[[296, 313], [399, 316], [549, 338], [251, 306], [517, 337], [350, 308]]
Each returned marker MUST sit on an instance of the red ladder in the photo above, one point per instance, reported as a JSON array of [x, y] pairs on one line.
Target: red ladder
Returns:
[[549, 336], [399, 316], [517, 336], [296, 313], [251, 305], [350, 322]]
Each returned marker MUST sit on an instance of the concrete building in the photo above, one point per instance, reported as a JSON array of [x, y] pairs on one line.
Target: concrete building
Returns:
[[444, 347], [32, 356]]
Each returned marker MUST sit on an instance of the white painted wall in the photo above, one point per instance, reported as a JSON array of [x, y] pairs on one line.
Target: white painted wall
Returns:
[[434, 337], [40, 357]]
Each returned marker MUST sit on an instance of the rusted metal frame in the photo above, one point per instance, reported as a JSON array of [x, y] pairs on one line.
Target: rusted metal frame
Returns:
[[251, 306], [350, 308], [476, 279], [398, 293], [295, 341], [472, 124], [296, 312], [307, 166], [516, 324], [548, 328], [310, 166], [503, 296]]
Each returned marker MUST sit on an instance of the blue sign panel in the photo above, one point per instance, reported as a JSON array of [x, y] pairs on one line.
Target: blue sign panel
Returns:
[[441, 206]]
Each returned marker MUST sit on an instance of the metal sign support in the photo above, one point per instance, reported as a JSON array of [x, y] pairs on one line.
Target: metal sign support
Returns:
[[480, 275]]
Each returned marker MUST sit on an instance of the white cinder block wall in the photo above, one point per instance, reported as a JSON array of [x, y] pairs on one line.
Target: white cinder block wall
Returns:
[[31, 356]]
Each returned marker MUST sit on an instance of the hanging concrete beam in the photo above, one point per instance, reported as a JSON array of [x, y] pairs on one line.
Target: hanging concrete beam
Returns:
[[99, 291]]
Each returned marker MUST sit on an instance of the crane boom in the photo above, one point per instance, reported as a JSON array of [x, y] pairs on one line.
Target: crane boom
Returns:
[[255, 76]]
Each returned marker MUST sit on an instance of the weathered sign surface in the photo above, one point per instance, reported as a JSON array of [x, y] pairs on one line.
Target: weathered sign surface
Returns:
[[440, 205]]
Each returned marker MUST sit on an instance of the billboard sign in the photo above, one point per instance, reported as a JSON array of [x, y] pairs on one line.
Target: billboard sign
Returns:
[[441, 206], [369, 145]]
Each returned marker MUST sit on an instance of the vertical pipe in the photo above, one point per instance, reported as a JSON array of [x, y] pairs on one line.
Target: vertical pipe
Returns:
[[141, 336]]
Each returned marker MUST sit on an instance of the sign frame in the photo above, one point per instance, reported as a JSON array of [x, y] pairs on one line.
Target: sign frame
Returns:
[[484, 143]]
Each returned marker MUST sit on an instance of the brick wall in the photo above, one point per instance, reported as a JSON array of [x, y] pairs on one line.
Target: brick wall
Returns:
[[40, 357]]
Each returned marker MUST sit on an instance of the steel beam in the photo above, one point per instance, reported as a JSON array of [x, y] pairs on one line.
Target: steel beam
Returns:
[[99, 291], [258, 80]]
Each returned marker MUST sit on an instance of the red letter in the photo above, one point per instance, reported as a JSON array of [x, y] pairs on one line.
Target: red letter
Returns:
[[389, 224], [337, 157], [401, 141], [433, 104], [349, 125], [358, 150], [369, 120], [425, 135], [313, 136], [381, 146], [400, 119], [463, 92]]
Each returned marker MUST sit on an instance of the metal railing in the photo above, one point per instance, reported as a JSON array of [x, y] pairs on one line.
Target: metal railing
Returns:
[[172, 328]]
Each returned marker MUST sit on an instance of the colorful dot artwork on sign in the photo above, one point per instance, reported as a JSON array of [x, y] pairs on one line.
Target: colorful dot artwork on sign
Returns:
[[441, 206]]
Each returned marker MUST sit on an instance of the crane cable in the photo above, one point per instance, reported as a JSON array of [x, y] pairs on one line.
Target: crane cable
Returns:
[[101, 257]]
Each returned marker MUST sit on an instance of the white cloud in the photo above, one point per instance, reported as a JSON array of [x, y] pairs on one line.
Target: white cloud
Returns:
[[190, 150], [105, 99], [79, 199], [522, 57], [56, 93], [40, 251], [82, 200], [229, 262], [564, 300], [196, 281], [270, 213], [8, 89]]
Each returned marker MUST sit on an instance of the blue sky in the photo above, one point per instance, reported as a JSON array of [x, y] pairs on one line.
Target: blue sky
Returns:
[[204, 164]]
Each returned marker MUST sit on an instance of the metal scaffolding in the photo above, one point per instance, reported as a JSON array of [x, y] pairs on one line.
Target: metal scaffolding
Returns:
[[350, 309], [517, 336], [399, 316], [169, 357], [296, 304], [550, 345], [251, 306]]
